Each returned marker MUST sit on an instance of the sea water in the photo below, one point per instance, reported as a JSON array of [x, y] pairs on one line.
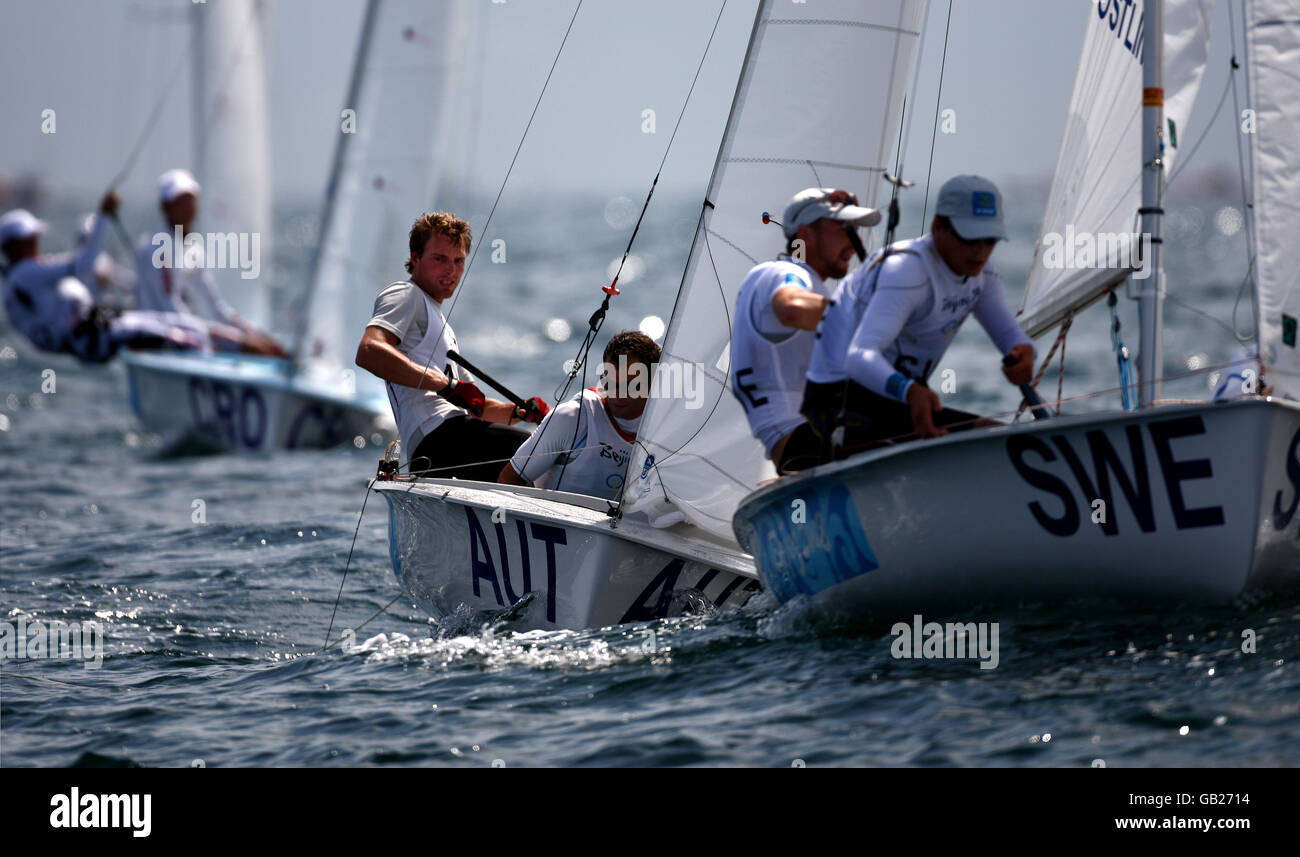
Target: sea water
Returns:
[[209, 582]]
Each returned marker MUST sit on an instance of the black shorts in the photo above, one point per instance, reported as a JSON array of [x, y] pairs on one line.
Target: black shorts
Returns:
[[801, 451], [869, 420], [466, 448]]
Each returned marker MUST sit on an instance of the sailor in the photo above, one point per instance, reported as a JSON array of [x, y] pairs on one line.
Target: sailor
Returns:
[[780, 305], [53, 299], [890, 324], [584, 445], [114, 282], [448, 427], [176, 281]]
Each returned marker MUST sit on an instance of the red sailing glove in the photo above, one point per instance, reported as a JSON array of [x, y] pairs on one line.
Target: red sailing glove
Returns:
[[536, 410], [465, 394]]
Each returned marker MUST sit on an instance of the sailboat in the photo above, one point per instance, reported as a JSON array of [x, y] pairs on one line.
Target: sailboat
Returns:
[[551, 559], [312, 399], [1168, 502]]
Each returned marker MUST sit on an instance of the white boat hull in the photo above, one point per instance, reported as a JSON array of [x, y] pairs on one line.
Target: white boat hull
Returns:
[[458, 544], [1199, 505], [249, 404]]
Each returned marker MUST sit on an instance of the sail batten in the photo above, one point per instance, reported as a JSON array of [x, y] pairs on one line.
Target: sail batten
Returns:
[[799, 119]]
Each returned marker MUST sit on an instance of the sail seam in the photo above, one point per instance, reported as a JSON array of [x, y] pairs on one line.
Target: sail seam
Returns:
[[840, 22], [832, 164]]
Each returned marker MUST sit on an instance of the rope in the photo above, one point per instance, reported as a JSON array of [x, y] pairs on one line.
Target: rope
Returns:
[[500, 191], [925, 206], [373, 616], [348, 564], [1042, 370]]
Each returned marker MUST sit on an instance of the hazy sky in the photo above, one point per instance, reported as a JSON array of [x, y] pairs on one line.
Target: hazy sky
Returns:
[[103, 63]]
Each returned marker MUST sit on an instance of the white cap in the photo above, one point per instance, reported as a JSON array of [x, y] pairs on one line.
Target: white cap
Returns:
[[174, 183], [812, 204], [19, 224], [974, 206]]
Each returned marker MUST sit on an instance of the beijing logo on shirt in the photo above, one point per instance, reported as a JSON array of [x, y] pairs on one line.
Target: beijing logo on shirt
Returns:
[[984, 204]]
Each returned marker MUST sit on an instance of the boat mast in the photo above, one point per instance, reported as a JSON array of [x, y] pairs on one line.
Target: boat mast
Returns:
[[331, 189], [1151, 295]]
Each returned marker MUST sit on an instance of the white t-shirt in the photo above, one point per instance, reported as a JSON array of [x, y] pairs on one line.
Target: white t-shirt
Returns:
[[404, 310], [580, 439], [768, 359], [184, 287], [892, 321], [43, 302]]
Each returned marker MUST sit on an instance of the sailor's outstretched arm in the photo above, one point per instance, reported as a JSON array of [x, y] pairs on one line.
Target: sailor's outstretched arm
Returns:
[[378, 355]]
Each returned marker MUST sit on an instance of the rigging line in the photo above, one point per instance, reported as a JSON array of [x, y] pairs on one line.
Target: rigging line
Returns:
[[597, 321], [1184, 160], [373, 617], [1220, 322], [151, 122], [348, 564], [925, 206], [722, 388], [668, 147], [545, 85]]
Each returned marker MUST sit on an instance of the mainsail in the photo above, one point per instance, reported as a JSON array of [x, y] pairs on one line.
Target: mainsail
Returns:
[[818, 104], [385, 172], [1097, 185], [1273, 58], [231, 139]]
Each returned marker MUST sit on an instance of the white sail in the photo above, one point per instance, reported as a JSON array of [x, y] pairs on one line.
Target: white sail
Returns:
[[385, 175], [232, 144], [818, 104], [1097, 185], [1273, 58]]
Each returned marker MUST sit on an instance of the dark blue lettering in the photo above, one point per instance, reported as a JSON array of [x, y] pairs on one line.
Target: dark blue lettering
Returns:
[[1282, 518], [223, 405], [1175, 472], [1128, 8], [1105, 459], [654, 600], [1068, 523], [248, 402], [552, 536], [511, 597], [481, 566]]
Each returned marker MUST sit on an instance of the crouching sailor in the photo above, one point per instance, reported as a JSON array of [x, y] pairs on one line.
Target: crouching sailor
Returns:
[[584, 445], [890, 324], [448, 427], [779, 306], [47, 299]]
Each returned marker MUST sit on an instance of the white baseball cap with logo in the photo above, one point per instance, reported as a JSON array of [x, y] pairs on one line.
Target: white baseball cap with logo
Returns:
[[812, 204], [974, 206], [20, 224], [174, 183]]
